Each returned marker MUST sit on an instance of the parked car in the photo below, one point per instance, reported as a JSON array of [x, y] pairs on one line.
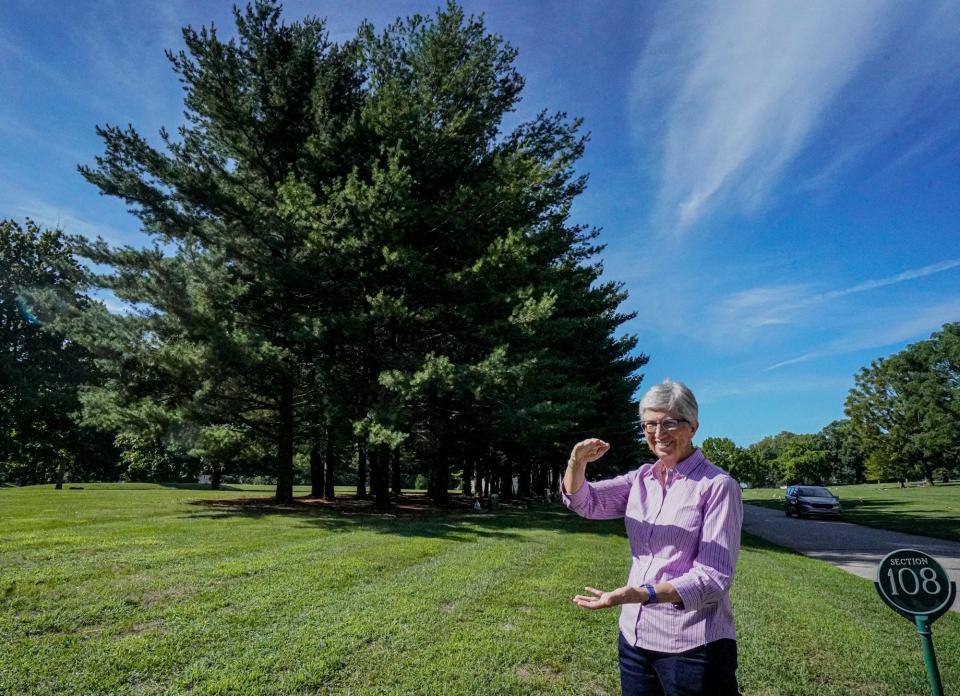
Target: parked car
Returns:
[[811, 501]]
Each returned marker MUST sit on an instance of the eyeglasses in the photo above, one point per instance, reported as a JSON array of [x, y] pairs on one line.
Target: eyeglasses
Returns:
[[670, 424]]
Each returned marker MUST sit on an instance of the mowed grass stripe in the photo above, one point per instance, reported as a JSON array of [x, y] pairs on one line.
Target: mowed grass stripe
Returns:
[[512, 608], [422, 597], [361, 626], [247, 566], [808, 627], [198, 563], [251, 602], [192, 591]]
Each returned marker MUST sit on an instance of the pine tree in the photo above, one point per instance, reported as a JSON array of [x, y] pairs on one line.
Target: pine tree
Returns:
[[348, 251], [41, 371], [234, 295]]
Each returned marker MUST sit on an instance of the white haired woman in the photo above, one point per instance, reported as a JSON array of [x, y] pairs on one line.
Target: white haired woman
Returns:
[[683, 517]]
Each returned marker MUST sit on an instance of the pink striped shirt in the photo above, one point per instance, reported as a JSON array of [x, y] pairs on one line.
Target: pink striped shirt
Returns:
[[686, 531]]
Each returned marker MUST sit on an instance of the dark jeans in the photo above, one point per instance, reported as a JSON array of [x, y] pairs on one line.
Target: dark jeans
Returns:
[[710, 669]]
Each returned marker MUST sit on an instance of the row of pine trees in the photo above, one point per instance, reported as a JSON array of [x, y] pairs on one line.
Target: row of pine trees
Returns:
[[354, 259]]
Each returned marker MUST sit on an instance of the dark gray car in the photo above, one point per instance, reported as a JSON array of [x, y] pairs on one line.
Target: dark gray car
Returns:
[[811, 501]]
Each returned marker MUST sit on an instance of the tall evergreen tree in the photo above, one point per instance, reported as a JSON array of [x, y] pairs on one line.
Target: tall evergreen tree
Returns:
[[41, 370], [233, 295], [348, 248], [505, 341]]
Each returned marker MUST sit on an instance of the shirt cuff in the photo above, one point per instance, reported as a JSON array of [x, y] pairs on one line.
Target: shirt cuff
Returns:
[[691, 594], [574, 500]]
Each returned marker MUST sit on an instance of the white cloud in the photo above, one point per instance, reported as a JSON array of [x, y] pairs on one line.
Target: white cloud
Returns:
[[113, 303], [911, 274], [739, 318], [714, 392], [899, 327], [730, 95], [19, 204]]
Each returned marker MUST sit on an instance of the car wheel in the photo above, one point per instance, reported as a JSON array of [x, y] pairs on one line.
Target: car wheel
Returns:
[[799, 513], [786, 511]]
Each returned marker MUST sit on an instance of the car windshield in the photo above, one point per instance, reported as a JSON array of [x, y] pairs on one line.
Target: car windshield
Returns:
[[814, 492]]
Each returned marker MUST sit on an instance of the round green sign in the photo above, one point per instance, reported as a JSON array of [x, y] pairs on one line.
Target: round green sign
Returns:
[[912, 582]]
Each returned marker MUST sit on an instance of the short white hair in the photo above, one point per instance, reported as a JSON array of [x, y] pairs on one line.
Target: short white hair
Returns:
[[670, 397]]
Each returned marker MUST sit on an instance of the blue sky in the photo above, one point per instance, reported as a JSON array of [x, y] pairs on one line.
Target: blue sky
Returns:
[[777, 183]]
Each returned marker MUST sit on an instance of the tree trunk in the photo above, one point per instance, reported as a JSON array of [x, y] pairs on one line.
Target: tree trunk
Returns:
[[395, 481], [215, 471], [540, 482], [506, 478], [330, 468], [285, 444], [523, 487], [361, 471], [59, 485], [440, 476], [316, 470], [467, 476], [378, 477]]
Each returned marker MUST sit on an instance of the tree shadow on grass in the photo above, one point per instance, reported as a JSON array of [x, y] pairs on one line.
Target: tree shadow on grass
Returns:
[[754, 543], [203, 487], [413, 515]]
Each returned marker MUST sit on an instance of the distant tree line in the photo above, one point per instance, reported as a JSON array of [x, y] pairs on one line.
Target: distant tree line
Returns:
[[903, 423], [356, 275]]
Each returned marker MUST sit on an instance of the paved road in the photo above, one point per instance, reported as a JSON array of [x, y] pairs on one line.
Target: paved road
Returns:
[[854, 548]]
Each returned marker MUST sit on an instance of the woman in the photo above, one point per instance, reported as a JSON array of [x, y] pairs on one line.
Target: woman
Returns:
[[683, 517]]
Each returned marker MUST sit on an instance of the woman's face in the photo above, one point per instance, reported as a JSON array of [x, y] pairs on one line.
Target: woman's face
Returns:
[[670, 446]]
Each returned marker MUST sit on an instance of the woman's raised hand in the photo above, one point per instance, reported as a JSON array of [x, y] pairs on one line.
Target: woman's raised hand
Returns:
[[589, 450]]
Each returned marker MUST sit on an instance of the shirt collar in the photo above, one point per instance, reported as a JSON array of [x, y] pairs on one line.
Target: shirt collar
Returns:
[[682, 470]]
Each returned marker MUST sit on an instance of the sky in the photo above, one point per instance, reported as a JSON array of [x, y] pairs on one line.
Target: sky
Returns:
[[776, 182]]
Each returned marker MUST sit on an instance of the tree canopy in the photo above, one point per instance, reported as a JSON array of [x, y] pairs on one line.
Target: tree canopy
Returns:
[[905, 408], [351, 253], [41, 371]]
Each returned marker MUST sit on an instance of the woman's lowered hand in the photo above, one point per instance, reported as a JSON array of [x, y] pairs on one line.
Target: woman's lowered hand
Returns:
[[604, 600]]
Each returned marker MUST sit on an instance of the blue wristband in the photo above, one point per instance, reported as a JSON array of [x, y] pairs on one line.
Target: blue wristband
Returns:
[[652, 599]]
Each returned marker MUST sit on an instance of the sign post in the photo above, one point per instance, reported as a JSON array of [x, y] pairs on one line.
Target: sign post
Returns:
[[915, 586]]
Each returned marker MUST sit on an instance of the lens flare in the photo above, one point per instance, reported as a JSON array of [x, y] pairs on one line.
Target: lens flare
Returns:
[[25, 312]]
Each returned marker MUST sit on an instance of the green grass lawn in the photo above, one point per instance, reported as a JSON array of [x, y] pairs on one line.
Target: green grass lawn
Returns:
[[153, 590], [928, 510]]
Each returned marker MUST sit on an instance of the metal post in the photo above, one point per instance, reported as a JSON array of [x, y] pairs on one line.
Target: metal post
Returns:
[[926, 640]]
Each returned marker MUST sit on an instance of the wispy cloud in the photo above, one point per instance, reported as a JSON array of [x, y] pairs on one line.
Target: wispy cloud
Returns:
[[732, 99], [911, 274], [20, 131], [20, 204], [910, 324], [740, 317], [721, 391], [113, 303]]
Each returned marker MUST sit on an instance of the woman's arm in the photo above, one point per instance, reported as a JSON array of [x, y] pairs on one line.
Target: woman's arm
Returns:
[[712, 570], [583, 452], [666, 593], [603, 500]]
